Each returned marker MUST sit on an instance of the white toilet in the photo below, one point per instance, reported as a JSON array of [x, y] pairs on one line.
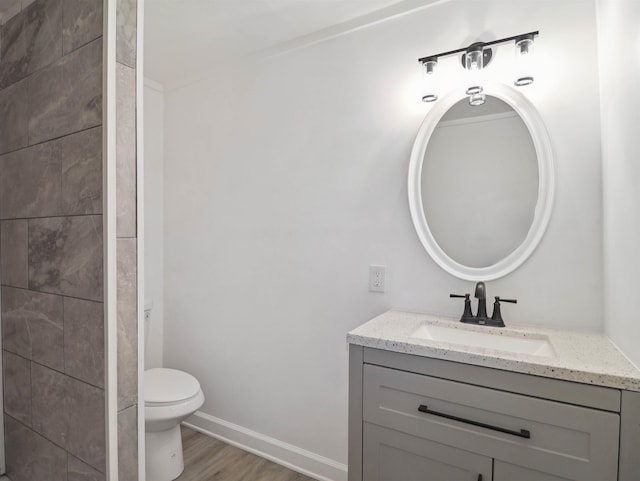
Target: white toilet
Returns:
[[170, 397]]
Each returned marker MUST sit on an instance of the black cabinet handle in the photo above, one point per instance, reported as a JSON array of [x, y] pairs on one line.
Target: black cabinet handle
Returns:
[[479, 477], [523, 433]]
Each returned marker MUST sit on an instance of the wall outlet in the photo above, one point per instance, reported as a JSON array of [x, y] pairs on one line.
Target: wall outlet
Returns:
[[377, 279]]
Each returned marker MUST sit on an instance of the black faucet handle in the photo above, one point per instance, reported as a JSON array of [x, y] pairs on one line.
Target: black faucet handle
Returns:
[[461, 296], [497, 315], [467, 314]]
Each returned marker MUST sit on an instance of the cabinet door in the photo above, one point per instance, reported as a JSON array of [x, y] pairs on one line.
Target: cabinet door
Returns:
[[390, 455], [509, 472]]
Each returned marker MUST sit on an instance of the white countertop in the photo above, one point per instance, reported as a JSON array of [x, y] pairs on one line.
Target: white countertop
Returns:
[[585, 357]]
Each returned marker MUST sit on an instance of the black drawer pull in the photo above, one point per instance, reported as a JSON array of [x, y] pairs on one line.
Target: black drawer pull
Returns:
[[523, 433]]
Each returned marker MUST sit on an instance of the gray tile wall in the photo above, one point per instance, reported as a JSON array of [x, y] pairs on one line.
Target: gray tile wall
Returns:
[[21, 443], [126, 233], [51, 241]]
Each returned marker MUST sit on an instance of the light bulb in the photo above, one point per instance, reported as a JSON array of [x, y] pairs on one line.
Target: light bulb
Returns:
[[430, 66], [473, 58]]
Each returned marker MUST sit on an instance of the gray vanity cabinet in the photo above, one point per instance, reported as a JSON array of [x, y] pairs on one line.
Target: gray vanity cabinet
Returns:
[[419, 419]]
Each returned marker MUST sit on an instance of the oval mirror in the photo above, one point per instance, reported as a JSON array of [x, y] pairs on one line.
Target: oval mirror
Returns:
[[481, 183]]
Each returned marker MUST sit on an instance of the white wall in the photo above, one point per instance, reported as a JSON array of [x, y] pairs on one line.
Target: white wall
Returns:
[[619, 39], [154, 220], [286, 178]]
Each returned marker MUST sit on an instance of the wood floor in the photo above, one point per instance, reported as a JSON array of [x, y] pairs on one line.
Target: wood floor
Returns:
[[207, 459]]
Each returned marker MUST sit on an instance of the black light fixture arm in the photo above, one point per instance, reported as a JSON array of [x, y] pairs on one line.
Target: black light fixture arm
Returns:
[[484, 44]]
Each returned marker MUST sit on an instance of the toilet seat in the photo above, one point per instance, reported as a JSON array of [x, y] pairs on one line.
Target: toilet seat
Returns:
[[163, 387], [181, 402]]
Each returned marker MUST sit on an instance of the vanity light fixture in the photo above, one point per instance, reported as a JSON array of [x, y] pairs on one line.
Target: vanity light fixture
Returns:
[[476, 57]]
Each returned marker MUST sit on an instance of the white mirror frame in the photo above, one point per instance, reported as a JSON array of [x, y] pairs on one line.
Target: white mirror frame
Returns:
[[546, 185]]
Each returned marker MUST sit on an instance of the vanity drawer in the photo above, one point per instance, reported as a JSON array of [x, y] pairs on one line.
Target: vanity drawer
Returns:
[[569, 441]]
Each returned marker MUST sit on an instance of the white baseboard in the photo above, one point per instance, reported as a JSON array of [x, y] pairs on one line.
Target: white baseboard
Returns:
[[288, 455]]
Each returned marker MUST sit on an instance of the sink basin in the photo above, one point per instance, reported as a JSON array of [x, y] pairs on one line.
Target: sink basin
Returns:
[[536, 346]]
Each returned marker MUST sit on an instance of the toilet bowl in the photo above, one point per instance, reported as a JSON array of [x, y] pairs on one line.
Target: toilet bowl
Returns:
[[170, 397]]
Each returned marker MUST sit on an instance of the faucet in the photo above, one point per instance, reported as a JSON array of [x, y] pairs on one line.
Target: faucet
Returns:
[[481, 317], [481, 295]]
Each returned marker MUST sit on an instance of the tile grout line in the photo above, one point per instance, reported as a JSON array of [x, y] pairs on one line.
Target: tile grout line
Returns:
[[75, 378], [50, 293], [53, 139], [56, 216]]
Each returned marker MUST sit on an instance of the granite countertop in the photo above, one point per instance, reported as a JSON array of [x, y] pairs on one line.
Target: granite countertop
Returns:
[[584, 357]]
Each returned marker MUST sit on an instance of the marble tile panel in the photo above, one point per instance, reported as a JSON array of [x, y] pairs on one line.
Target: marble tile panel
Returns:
[[127, 323], [84, 340], [79, 471], [50, 400], [128, 444], [125, 151], [30, 457], [32, 326], [70, 413], [13, 253], [14, 112], [30, 184], [13, 51], [65, 256], [30, 40], [126, 32], [66, 97], [82, 23], [17, 387], [13, 10], [85, 423], [43, 33], [82, 173]]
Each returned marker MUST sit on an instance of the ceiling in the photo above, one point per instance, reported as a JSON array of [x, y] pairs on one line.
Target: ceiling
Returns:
[[185, 38]]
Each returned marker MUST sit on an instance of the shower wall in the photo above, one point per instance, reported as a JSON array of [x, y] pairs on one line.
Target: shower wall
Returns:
[[51, 241], [51, 245]]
